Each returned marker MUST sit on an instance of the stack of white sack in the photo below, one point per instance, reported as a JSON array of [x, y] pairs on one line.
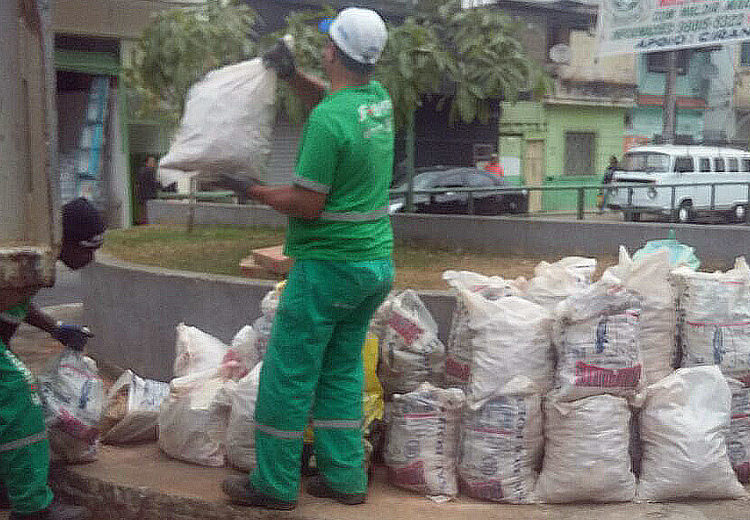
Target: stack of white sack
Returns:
[[72, 395], [684, 422], [132, 410], [714, 319], [496, 336], [501, 444], [648, 277], [227, 123], [193, 418], [422, 440], [738, 438], [410, 351], [586, 451], [597, 334], [554, 282], [240, 440]]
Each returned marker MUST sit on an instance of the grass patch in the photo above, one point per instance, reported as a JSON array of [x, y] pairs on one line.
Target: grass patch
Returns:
[[219, 249]]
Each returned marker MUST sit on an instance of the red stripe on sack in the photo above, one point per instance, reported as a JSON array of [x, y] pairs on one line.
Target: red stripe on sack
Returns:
[[411, 475], [592, 375], [457, 369], [408, 330]]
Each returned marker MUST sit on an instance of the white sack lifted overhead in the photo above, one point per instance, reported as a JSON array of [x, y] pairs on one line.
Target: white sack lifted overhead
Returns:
[[627, 26], [227, 123]]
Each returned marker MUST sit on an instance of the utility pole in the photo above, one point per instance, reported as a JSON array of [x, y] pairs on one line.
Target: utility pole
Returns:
[[669, 126]]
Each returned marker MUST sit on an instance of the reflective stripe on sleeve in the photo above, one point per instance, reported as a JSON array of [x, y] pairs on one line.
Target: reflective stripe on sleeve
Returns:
[[26, 441], [310, 184], [281, 434], [354, 216]]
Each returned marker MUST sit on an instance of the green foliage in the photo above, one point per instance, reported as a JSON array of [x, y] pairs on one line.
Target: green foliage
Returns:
[[467, 56], [486, 61], [413, 64], [308, 48], [181, 45]]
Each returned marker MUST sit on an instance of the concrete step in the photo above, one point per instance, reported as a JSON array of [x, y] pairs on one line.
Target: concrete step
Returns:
[[141, 483]]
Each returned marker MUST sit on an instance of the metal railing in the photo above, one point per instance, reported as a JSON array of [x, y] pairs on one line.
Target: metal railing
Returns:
[[581, 190]]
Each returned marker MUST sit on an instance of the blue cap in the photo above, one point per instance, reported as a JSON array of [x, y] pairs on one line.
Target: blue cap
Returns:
[[325, 25]]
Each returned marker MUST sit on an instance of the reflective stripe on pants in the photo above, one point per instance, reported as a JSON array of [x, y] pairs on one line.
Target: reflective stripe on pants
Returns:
[[314, 362]]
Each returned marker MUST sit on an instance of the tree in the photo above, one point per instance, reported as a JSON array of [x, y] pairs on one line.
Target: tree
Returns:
[[181, 45], [486, 61]]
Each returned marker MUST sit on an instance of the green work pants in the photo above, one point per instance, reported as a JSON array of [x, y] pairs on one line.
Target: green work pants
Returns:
[[314, 363], [24, 448]]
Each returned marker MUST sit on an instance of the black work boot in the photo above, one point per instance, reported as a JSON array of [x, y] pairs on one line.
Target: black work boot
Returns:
[[56, 511], [318, 487], [240, 491]]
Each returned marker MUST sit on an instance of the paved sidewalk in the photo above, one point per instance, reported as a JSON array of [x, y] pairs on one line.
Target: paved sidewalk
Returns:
[[141, 483]]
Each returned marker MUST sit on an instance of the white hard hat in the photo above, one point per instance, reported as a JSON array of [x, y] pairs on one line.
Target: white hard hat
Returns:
[[360, 34]]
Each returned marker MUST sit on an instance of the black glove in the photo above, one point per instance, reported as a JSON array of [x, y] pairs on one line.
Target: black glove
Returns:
[[236, 183], [72, 336], [280, 58]]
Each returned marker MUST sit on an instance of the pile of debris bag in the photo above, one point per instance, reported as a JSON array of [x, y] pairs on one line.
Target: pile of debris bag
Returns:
[[564, 389], [558, 389]]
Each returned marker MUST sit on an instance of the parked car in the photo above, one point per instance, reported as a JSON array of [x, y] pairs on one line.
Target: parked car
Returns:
[[449, 201]]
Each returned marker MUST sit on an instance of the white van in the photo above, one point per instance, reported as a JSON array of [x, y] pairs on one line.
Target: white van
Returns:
[[650, 170]]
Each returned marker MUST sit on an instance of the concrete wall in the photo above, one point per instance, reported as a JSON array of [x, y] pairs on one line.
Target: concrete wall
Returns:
[[133, 311]]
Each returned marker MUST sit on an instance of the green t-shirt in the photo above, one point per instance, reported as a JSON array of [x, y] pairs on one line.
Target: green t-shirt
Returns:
[[347, 153]]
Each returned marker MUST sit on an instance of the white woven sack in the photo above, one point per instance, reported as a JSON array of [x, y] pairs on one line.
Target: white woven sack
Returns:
[[459, 350], [240, 444], [196, 351], [714, 312], [597, 335], [738, 438], [648, 277], [422, 441], [495, 337], [72, 394], [501, 445], [192, 424], [227, 123], [410, 351], [684, 423], [554, 282], [586, 451], [244, 343]]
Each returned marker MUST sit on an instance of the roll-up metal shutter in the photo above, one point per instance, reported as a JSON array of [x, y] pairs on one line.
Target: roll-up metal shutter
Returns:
[[284, 145]]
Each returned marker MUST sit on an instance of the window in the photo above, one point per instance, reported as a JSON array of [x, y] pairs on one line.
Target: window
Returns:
[[746, 165], [719, 165], [745, 54], [579, 153], [646, 162], [705, 164], [657, 62], [684, 164], [733, 165]]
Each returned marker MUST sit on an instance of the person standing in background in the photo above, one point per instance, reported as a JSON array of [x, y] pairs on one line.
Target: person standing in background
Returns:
[[146, 188], [494, 166], [609, 175]]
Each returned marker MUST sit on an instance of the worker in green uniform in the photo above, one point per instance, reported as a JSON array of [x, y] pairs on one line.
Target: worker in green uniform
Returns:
[[24, 448], [340, 237]]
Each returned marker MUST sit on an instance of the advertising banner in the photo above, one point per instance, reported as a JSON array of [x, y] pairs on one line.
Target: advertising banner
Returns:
[[627, 26]]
